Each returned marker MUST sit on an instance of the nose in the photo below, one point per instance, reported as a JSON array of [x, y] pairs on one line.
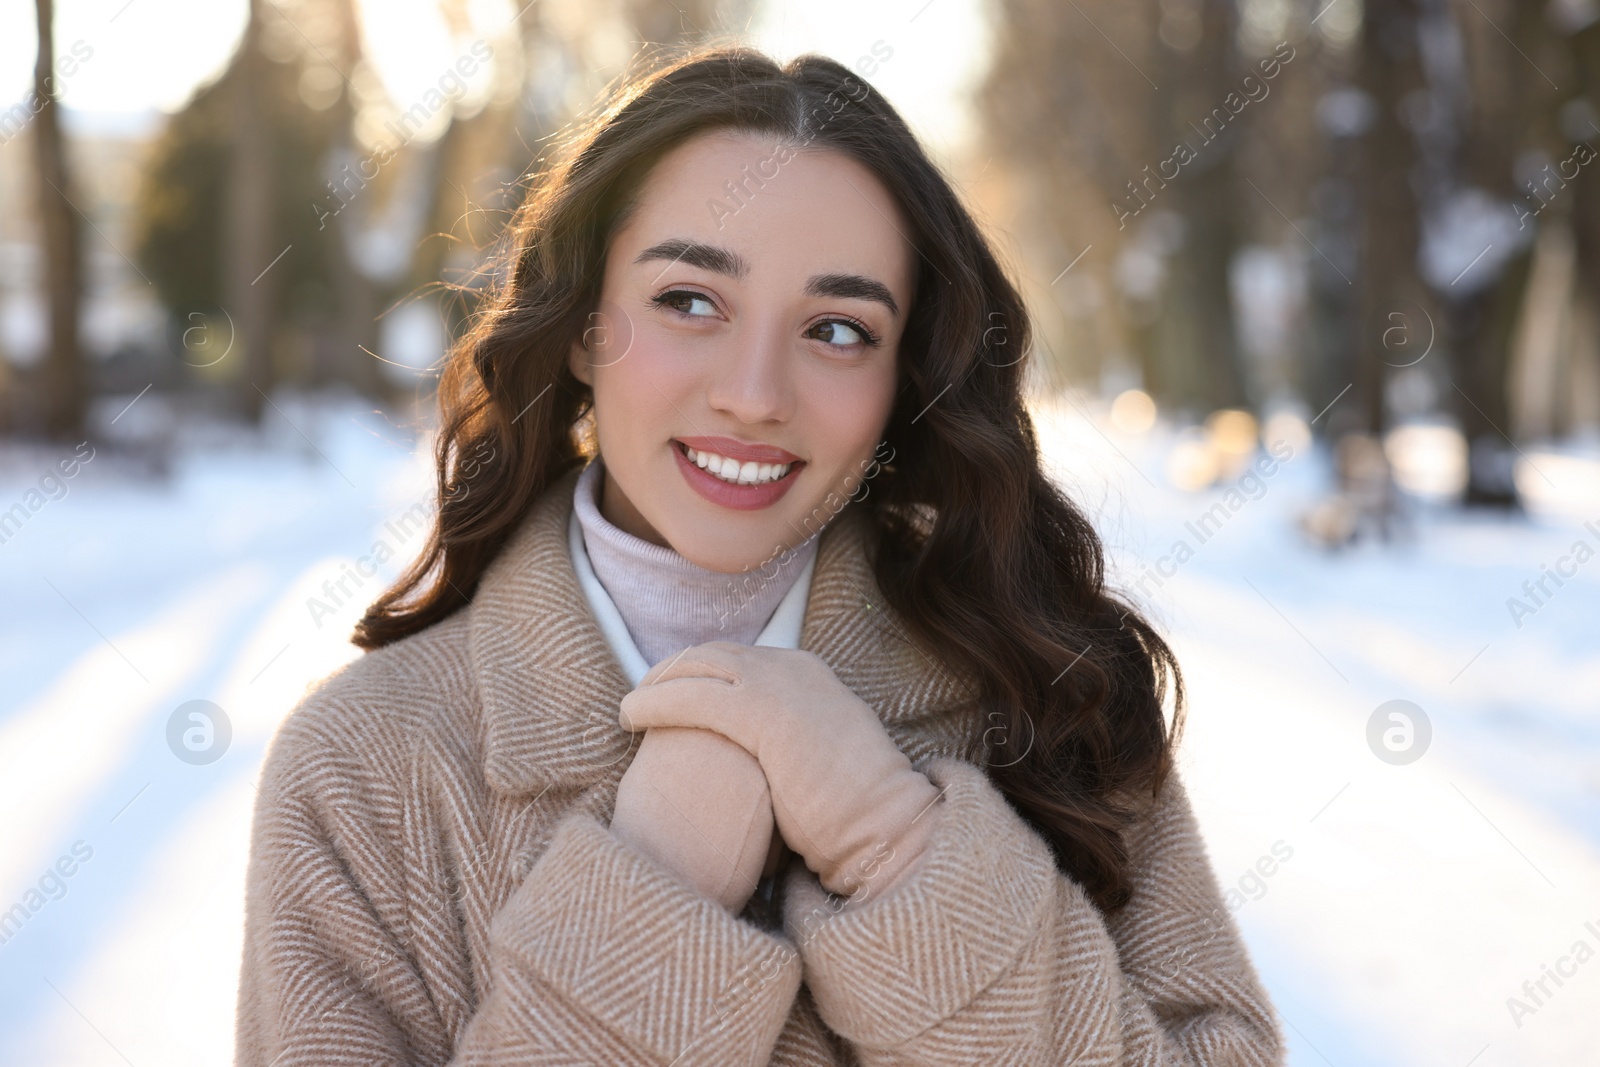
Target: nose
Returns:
[[750, 380]]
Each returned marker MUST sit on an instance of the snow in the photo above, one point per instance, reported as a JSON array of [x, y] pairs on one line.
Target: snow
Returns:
[[199, 587], [1415, 899], [1419, 897]]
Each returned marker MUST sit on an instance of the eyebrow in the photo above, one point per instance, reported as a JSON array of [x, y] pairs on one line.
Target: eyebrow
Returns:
[[730, 263]]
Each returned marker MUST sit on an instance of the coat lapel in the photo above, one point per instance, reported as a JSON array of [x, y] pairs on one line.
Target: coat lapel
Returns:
[[551, 686]]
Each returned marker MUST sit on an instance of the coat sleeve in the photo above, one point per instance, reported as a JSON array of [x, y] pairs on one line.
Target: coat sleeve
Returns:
[[985, 953], [598, 956]]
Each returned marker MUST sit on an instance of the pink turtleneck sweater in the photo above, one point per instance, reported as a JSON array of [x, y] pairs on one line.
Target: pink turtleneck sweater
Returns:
[[667, 603]]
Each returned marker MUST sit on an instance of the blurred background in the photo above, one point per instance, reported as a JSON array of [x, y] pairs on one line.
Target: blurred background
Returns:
[[1317, 293]]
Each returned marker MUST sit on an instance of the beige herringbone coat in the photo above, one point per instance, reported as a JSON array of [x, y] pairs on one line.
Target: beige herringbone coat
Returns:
[[433, 881]]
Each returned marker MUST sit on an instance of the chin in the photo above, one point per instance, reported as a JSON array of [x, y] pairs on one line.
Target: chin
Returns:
[[728, 557], [725, 554]]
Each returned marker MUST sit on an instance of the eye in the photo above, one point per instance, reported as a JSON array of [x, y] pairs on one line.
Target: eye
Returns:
[[685, 301], [843, 332]]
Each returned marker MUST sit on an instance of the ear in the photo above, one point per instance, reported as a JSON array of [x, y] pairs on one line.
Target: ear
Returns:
[[578, 363]]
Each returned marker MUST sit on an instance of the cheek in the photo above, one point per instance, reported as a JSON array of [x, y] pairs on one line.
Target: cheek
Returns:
[[846, 421], [638, 394]]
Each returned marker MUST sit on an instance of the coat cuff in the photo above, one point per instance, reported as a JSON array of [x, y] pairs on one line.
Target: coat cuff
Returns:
[[886, 971], [665, 968]]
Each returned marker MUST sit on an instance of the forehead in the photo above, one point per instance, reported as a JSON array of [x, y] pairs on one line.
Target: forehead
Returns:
[[790, 213]]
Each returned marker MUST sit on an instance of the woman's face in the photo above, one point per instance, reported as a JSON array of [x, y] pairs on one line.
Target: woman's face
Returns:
[[743, 358]]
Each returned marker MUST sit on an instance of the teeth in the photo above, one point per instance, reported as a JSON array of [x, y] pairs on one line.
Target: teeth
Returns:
[[731, 470]]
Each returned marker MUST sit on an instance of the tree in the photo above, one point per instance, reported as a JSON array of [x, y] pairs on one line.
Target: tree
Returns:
[[64, 380], [1087, 106], [190, 213], [1506, 107], [356, 290], [1389, 180], [248, 251]]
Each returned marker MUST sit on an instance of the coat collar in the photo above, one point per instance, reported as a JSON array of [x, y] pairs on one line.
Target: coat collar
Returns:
[[550, 685]]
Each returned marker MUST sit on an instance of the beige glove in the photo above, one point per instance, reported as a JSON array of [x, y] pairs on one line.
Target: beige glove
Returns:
[[698, 804], [843, 795]]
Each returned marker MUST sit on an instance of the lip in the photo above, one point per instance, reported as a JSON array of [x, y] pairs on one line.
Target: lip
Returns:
[[727, 494], [739, 450]]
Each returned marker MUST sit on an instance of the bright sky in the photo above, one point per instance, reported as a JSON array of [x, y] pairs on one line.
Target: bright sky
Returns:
[[152, 53], [147, 53]]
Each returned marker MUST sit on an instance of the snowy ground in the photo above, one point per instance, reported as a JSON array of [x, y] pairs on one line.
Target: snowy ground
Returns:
[[1415, 899]]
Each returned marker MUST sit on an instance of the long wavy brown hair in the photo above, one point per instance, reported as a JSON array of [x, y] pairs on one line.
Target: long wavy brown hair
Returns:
[[992, 567]]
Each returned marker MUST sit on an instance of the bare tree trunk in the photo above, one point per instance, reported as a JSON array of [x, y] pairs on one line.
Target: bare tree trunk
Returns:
[[448, 179], [1388, 284], [1585, 50], [249, 253], [1482, 325], [357, 299], [446, 202], [1508, 94], [65, 380], [1203, 342]]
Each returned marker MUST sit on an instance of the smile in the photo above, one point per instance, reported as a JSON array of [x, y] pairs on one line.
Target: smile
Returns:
[[731, 470], [736, 474]]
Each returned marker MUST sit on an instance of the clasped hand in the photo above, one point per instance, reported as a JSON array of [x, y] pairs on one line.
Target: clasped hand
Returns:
[[843, 795]]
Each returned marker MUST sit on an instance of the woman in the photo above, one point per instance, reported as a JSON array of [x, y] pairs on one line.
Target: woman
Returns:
[[757, 698]]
